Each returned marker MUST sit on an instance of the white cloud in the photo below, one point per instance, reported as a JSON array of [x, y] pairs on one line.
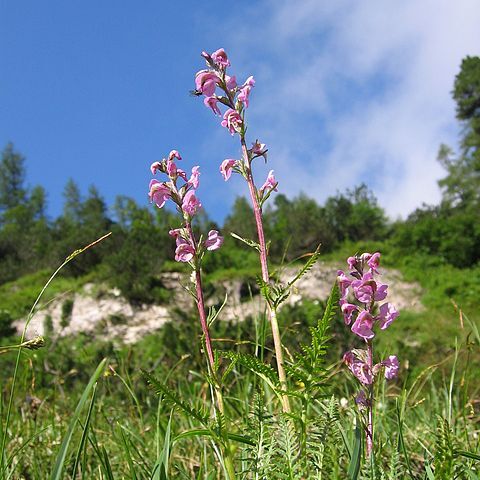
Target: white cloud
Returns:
[[352, 91]]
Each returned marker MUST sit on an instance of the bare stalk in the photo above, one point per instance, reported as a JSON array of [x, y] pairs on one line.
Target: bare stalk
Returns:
[[229, 466], [370, 401], [272, 315]]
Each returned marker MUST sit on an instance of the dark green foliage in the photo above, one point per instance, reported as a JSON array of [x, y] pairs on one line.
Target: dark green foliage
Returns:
[[6, 320], [66, 315]]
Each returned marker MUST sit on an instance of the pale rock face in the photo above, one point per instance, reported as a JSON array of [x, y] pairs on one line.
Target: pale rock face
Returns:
[[111, 316]]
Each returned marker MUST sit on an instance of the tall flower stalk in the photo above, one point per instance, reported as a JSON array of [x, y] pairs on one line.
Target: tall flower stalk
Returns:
[[218, 88], [360, 294], [190, 250]]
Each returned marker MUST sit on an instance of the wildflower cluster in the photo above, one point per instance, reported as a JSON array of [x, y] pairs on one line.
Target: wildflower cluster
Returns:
[[361, 287], [187, 203], [365, 314], [218, 89]]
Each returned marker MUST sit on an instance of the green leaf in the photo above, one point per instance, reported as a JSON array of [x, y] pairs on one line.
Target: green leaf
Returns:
[[246, 241], [307, 267], [354, 466], [62, 454], [201, 432], [256, 366], [463, 453]]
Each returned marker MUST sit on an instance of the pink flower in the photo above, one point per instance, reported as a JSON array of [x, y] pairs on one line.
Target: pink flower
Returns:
[[352, 262], [220, 58], [181, 173], [348, 310], [365, 257], [231, 82], [155, 166], [388, 313], [232, 120], [226, 168], [270, 183], [206, 82], [367, 289], [359, 368], [250, 82], [174, 154], [171, 168], [194, 179], [258, 148], [214, 241], [175, 232], [363, 325], [374, 261], [184, 251], [381, 291], [244, 94], [159, 193], [391, 367], [211, 102], [361, 399], [343, 283], [190, 203]]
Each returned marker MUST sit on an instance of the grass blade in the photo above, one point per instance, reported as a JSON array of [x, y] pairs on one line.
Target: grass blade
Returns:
[[355, 461], [62, 454]]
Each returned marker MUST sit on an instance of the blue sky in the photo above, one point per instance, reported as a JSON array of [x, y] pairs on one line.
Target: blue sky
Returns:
[[346, 92]]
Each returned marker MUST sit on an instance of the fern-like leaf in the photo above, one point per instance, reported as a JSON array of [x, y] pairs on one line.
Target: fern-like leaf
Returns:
[[312, 260], [173, 398], [308, 370]]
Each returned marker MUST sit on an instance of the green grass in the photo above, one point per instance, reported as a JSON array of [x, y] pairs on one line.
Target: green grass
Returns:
[[427, 420]]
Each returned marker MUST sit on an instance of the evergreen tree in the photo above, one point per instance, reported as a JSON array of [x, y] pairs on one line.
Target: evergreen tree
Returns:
[[12, 178]]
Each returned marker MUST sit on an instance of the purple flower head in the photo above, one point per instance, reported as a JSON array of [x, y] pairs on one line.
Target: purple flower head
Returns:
[[363, 325], [348, 310], [259, 148], [194, 179], [226, 168], [249, 82], [359, 368], [175, 232], [270, 183], [343, 282], [352, 262], [206, 82], [171, 168], [231, 82], [374, 261], [190, 203], [212, 102], [244, 94], [232, 120], [388, 313], [174, 154], [214, 241], [391, 367], [159, 193], [367, 289], [155, 166], [181, 173], [380, 292], [361, 399], [220, 58], [184, 251]]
